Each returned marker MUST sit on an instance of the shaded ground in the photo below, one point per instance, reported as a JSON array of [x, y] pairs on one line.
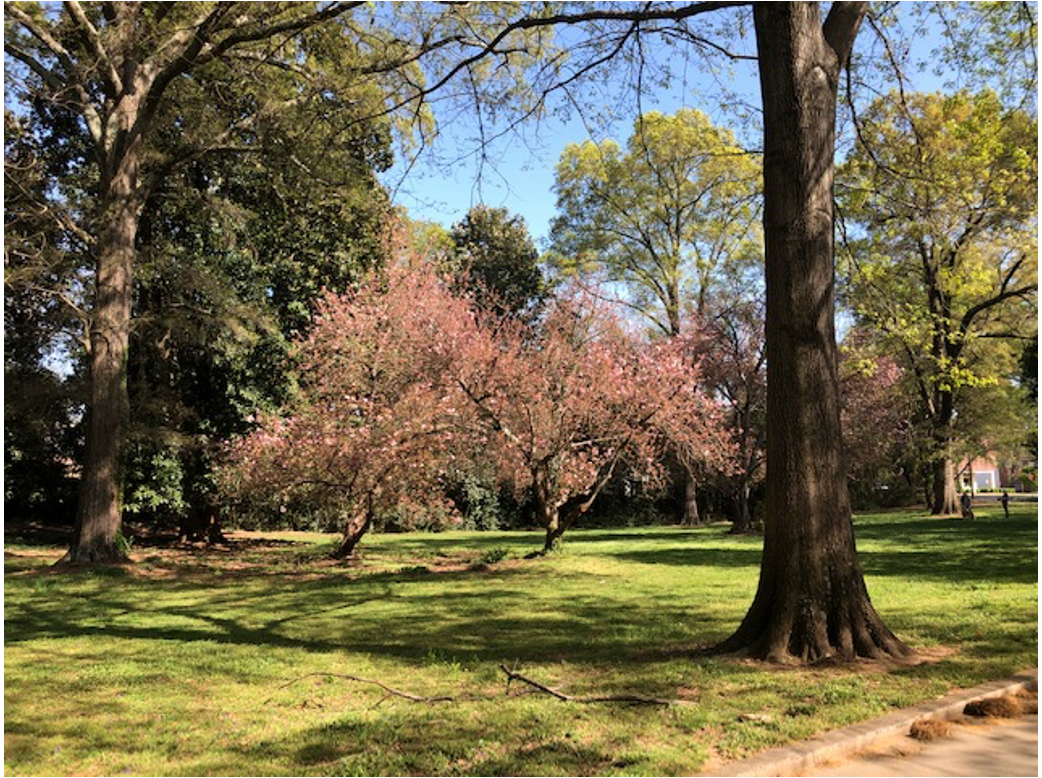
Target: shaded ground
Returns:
[[176, 664]]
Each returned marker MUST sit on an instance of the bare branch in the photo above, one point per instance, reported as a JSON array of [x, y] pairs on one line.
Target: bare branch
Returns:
[[115, 83], [634, 699]]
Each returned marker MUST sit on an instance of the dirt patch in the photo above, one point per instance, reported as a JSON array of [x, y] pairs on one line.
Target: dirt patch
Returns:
[[836, 666]]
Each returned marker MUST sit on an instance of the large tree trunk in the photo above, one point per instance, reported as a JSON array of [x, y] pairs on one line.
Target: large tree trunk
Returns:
[[99, 512], [811, 602]]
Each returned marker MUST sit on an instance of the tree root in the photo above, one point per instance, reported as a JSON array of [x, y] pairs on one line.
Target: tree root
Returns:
[[511, 676]]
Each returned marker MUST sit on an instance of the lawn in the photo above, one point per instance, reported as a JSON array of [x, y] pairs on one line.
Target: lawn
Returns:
[[193, 663]]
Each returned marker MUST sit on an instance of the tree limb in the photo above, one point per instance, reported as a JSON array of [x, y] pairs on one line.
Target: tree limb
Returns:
[[115, 83], [841, 26], [634, 699]]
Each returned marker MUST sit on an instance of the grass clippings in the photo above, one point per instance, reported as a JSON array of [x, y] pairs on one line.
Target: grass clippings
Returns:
[[930, 729], [1007, 707]]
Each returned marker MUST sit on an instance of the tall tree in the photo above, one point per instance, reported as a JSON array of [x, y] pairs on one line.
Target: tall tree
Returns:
[[666, 219], [940, 197], [111, 66], [233, 252], [811, 601]]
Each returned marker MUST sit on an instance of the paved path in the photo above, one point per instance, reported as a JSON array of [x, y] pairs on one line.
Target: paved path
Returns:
[[1003, 748], [978, 749]]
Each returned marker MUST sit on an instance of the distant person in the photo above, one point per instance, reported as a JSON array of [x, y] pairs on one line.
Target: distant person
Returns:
[[966, 503], [1005, 503]]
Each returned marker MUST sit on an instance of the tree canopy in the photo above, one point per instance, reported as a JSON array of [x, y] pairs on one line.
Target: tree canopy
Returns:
[[667, 218], [940, 202]]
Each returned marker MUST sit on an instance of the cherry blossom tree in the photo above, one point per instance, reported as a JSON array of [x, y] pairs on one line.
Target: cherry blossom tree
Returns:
[[373, 422], [403, 377], [734, 359], [561, 408], [876, 414]]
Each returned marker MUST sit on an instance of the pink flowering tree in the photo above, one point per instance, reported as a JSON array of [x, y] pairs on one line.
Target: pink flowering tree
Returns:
[[875, 414], [560, 408], [373, 422], [730, 342]]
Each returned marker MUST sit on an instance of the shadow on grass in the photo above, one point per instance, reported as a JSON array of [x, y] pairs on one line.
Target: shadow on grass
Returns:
[[418, 741], [992, 549], [463, 616]]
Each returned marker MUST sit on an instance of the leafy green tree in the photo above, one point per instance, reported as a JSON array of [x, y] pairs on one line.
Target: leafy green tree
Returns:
[[500, 260], [42, 434], [233, 251], [940, 200], [665, 218], [111, 70], [665, 221]]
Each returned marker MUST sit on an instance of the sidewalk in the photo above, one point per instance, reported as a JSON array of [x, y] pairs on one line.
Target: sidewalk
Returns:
[[1007, 747], [843, 744]]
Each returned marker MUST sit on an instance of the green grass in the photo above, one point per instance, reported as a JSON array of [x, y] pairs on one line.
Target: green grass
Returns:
[[175, 665]]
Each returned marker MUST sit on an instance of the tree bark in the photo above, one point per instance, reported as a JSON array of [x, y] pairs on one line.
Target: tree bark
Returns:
[[353, 533], [743, 516], [811, 602], [945, 500], [546, 509], [99, 511], [691, 516]]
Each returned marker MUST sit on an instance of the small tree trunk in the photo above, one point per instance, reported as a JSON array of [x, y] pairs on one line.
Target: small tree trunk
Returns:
[[353, 532], [691, 516], [811, 602], [743, 517], [554, 533], [945, 494]]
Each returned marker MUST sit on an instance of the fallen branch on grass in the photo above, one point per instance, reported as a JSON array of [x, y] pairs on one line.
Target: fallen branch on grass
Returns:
[[391, 692], [511, 676], [630, 699]]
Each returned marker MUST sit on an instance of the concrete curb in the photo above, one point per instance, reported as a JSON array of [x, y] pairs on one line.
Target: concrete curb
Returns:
[[841, 743]]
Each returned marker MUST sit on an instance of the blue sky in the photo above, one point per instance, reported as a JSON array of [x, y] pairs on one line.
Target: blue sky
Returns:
[[520, 175]]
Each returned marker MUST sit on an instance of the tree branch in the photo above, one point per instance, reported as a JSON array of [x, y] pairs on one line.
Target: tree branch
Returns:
[[115, 83], [841, 26], [634, 699]]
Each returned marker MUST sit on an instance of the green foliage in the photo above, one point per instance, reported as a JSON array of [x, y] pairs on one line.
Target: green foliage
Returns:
[[476, 494], [197, 647], [494, 555], [667, 218], [42, 319], [940, 205], [499, 259], [257, 189]]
